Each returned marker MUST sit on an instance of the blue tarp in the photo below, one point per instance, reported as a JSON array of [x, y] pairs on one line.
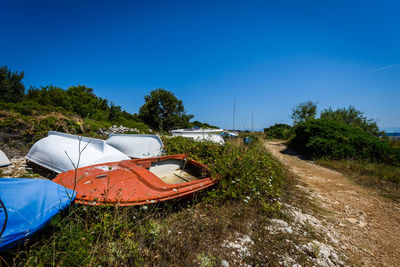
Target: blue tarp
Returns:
[[30, 204]]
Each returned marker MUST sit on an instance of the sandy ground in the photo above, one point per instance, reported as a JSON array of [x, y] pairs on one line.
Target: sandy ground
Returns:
[[366, 225]]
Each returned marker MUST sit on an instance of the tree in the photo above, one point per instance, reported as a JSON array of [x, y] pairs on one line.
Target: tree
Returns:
[[304, 111], [162, 110], [11, 87], [352, 117]]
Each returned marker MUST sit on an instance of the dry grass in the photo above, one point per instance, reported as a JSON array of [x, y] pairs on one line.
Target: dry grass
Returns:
[[381, 177]]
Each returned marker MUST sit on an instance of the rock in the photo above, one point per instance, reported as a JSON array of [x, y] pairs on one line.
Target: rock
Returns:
[[280, 226], [324, 255], [118, 130], [224, 263], [240, 245]]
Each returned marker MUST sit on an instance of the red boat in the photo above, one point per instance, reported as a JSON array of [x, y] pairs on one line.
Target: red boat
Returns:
[[137, 181]]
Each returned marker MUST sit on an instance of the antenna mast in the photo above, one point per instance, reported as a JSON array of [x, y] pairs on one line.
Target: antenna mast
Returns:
[[252, 121], [234, 112]]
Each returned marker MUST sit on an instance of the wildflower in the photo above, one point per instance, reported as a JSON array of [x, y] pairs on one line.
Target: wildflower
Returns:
[[144, 207]]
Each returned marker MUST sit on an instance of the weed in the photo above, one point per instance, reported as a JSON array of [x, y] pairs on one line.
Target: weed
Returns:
[[206, 260]]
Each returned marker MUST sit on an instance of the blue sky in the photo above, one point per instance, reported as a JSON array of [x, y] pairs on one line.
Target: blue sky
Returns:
[[268, 55]]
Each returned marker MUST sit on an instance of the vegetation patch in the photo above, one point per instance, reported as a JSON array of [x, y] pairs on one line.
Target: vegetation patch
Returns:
[[335, 140], [278, 131]]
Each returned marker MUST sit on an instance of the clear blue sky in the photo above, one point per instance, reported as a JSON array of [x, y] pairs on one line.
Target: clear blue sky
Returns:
[[269, 55]]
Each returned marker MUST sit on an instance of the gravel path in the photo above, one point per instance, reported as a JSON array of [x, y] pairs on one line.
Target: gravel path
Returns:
[[366, 224]]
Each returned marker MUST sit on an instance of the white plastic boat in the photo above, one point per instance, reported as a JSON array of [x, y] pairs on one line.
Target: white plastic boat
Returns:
[[198, 130], [137, 145], [4, 161], [200, 134], [59, 152]]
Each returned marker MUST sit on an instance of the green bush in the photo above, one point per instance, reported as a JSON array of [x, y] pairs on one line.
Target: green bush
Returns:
[[244, 172], [335, 140], [278, 131], [205, 151]]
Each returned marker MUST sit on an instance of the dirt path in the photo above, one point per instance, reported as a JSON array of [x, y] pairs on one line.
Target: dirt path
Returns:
[[367, 225]]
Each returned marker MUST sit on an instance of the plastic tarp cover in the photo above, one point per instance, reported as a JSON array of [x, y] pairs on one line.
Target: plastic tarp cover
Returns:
[[30, 205]]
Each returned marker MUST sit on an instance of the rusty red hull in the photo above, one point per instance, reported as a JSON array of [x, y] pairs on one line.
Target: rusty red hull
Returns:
[[137, 182]]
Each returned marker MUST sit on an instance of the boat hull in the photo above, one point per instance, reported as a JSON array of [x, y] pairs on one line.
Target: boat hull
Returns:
[[60, 152], [4, 161], [137, 182], [137, 145]]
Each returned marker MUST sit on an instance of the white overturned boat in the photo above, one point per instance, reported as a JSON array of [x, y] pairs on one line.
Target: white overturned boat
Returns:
[[4, 161], [59, 152], [200, 134], [137, 145]]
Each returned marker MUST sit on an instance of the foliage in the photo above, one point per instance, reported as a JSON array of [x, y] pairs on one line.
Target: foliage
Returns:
[[205, 151], [336, 140], [11, 87], [352, 117], [278, 131], [82, 101], [32, 118], [304, 111], [203, 125], [163, 111], [244, 173]]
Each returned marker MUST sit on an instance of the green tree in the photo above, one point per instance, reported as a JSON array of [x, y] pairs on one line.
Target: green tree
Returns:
[[11, 87], [304, 111], [162, 110], [352, 117]]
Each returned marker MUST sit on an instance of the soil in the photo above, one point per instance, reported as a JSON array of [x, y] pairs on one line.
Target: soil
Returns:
[[366, 225]]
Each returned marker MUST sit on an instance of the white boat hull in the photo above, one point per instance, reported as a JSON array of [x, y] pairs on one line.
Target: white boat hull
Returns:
[[4, 161], [200, 136], [60, 152], [137, 145]]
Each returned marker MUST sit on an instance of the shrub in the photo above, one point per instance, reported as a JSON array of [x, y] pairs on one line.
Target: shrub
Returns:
[[353, 117], [205, 151], [244, 172], [278, 131], [335, 140]]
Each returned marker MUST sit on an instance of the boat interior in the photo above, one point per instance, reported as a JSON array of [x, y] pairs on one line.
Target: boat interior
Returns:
[[175, 171]]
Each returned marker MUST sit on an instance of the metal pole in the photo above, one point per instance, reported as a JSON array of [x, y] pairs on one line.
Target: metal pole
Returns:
[[234, 112]]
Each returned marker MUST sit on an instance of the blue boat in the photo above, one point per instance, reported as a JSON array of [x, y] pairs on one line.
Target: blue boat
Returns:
[[26, 206]]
